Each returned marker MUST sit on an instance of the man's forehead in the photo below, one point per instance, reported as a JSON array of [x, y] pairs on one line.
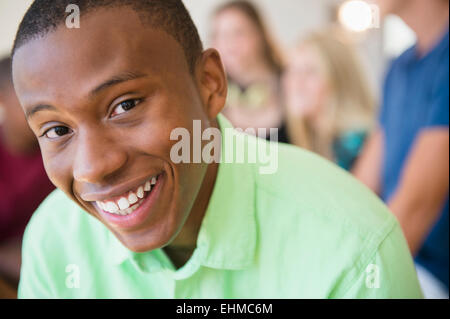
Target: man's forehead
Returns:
[[92, 52]]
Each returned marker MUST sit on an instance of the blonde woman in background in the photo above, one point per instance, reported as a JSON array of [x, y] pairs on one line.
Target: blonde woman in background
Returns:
[[330, 107], [253, 66]]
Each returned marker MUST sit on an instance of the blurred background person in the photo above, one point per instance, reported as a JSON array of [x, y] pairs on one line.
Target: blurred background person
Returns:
[[253, 65], [407, 160], [23, 181], [329, 104]]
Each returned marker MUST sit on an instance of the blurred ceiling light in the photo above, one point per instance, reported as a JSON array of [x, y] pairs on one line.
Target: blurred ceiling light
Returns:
[[357, 15]]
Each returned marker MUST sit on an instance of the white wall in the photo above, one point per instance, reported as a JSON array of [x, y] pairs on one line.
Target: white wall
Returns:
[[287, 19], [11, 12], [290, 19]]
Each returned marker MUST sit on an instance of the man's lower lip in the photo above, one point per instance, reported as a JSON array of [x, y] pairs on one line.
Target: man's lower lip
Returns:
[[140, 214]]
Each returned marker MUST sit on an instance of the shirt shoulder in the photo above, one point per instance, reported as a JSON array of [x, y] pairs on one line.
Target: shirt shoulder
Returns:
[[58, 234], [59, 213], [59, 225], [306, 182], [312, 210]]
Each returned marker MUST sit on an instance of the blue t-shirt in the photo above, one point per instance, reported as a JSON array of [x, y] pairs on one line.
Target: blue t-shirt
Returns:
[[416, 97]]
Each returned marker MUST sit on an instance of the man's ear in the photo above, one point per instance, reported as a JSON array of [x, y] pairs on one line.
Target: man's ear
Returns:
[[212, 82]]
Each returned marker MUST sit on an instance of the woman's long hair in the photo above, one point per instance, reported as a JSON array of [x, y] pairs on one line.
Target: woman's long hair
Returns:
[[352, 104], [270, 50]]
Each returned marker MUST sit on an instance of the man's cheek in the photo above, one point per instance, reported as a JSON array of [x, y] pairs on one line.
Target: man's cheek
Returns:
[[155, 139], [57, 172]]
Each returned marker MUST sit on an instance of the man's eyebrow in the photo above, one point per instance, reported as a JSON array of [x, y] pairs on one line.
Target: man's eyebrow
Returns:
[[120, 78], [30, 112]]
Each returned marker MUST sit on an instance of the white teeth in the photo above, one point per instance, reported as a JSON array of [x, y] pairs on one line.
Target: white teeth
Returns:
[[127, 205], [111, 207], [140, 192], [123, 203], [132, 198]]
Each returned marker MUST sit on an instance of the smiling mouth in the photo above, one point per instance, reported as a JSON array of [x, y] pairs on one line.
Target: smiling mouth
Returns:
[[130, 201]]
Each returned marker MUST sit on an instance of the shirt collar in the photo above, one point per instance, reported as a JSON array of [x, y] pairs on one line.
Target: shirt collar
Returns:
[[227, 236]]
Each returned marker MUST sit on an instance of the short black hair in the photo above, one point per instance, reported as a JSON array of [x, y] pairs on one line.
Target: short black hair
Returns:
[[171, 16]]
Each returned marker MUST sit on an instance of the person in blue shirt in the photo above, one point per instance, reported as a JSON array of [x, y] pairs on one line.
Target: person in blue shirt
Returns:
[[407, 160]]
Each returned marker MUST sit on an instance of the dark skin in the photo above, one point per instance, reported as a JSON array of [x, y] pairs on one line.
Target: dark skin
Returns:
[[104, 152]]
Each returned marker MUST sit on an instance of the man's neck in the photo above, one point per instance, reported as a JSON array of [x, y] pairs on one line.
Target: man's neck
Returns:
[[182, 247], [428, 19]]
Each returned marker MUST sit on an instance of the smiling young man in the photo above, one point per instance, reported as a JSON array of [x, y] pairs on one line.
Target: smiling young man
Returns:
[[127, 222]]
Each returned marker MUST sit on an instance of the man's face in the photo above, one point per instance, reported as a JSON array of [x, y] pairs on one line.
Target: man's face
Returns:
[[110, 93]]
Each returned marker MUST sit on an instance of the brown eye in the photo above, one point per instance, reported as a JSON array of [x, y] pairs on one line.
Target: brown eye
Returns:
[[57, 131], [125, 106]]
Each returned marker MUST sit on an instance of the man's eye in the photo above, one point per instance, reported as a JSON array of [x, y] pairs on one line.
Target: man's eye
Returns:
[[57, 131], [125, 106]]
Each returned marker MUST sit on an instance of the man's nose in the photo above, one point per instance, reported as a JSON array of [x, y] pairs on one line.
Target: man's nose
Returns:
[[97, 158]]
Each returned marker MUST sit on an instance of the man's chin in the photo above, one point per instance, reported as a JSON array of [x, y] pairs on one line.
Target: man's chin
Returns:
[[142, 241]]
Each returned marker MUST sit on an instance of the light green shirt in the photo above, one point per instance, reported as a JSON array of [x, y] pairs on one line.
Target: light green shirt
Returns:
[[309, 230]]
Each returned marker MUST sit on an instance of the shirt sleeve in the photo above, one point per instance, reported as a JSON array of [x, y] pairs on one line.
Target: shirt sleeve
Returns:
[[389, 274], [37, 254], [34, 275]]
